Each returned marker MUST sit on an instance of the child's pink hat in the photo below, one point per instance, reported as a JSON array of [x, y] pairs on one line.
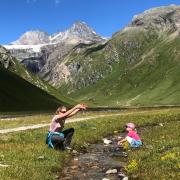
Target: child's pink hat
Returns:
[[131, 125]]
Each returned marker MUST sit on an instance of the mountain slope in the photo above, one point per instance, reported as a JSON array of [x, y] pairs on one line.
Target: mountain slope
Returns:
[[19, 95], [15, 82], [140, 65], [152, 81]]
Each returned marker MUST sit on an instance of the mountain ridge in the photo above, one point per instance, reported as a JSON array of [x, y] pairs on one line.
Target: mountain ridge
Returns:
[[39, 58], [77, 31]]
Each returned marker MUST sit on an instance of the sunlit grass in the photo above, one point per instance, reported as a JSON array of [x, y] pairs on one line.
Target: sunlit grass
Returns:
[[159, 158], [46, 118], [21, 150], [25, 121]]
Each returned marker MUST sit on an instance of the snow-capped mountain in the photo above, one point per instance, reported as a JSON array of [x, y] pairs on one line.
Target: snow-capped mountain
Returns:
[[79, 32], [32, 38], [38, 50]]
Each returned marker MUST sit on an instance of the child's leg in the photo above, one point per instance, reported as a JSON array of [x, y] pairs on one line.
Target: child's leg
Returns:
[[129, 139]]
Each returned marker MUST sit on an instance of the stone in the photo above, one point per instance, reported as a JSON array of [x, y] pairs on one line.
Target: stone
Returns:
[[57, 177], [125, 178], [111, 171], [74, 167], [4, 165], [41, 158], [95, 167], [107, 141], [74, 152], [98, 162], [124, 154], [120, 137], [121, 175]]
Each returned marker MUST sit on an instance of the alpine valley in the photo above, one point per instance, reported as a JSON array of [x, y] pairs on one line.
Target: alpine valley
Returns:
[[138, 66]]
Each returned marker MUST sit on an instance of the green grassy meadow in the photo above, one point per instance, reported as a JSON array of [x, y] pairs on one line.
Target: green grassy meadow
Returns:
[[29, 158]]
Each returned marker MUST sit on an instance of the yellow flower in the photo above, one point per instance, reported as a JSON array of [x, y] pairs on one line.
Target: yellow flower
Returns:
[[169, 156], [132, 166]]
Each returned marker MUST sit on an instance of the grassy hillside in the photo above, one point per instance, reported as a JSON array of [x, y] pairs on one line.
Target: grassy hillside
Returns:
[[139, 65], [19, 95], [152, 79], [21, 71]]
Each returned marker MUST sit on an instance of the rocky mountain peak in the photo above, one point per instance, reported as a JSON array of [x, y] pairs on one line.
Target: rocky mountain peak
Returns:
[[81, 28], [158, 17], [78, 32], [34, 37]]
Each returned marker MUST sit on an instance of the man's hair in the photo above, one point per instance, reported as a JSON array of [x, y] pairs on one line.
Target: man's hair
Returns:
[[59, 109]]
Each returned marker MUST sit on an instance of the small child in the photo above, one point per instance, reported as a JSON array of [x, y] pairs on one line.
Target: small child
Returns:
[[132, 137]]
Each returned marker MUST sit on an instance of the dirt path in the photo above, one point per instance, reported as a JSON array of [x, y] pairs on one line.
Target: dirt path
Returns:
[[23, 128]]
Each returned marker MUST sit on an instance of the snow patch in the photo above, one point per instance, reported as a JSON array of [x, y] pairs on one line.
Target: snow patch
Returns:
[[35, 48]]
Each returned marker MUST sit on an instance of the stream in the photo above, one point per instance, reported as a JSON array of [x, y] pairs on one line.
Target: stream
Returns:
[[99, 162]]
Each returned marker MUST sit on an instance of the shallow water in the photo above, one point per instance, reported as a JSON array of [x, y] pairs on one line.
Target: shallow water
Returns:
[[93, 164]]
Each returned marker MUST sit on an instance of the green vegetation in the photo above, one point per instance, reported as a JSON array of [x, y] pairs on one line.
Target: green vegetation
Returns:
[[29, 157], [17, 84], [25, 121], [159, 158], [40, 119], [19, 95], [19, 70], [136, 67]]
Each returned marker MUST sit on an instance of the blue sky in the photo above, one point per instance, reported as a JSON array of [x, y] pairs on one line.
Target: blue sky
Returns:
[[104, 16]]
